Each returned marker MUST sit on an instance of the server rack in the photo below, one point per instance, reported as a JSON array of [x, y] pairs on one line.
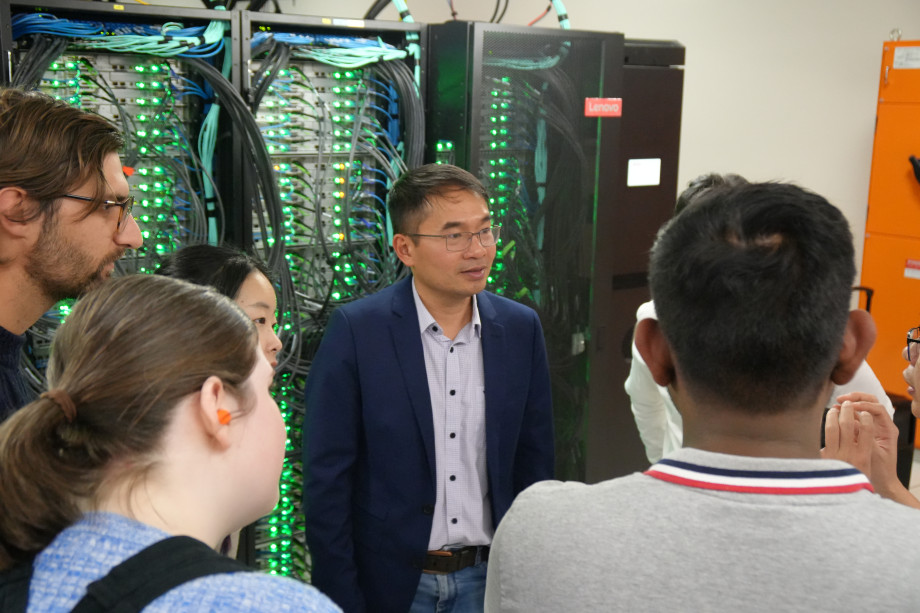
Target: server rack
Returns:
[[339, 107], [641, 201], [508, 104]]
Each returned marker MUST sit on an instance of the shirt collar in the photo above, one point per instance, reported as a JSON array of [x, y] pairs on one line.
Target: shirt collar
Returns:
[[690, 468], [426, 320]]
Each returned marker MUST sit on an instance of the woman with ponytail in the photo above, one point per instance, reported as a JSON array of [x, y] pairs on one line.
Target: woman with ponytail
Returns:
[[158, 422]]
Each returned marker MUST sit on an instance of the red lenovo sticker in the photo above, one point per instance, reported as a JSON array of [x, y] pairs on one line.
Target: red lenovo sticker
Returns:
[[603, 107]]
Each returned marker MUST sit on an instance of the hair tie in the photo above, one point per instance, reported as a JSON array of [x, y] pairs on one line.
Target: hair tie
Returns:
[[63, 400]]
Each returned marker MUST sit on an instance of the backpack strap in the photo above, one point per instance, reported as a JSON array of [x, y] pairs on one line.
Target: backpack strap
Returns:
[[14, 588], [142, 578]]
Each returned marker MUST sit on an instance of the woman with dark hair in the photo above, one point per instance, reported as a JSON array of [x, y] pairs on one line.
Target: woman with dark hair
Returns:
[[149, 429], [234, 274]]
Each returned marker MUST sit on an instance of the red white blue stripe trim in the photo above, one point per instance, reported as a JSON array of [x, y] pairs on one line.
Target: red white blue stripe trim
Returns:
[[836, 481]]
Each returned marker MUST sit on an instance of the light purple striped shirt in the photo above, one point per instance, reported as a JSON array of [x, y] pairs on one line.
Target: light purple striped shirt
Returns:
[[456, 384]]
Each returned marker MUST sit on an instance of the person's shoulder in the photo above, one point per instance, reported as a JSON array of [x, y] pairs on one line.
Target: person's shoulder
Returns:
[[562, 496], [245, 591], [895, 512], [646, 310], [375, 302], [505, 307]]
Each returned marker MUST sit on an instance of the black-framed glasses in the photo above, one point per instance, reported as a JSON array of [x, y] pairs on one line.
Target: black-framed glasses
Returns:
[[126, 206], [913, 339], [460, 241]]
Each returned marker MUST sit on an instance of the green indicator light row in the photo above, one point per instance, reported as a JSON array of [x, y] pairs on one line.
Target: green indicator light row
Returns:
[[68, 65], [151, 68], [347, 74]]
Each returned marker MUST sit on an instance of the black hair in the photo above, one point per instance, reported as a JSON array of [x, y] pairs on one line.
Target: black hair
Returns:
[[752, 289], [222, 268], [408, 196], [703, 183]]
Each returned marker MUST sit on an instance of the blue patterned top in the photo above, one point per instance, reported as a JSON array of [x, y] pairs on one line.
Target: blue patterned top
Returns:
[[91, 547]]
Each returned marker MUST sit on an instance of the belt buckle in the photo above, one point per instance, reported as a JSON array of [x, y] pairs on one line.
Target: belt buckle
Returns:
[[439, 553]]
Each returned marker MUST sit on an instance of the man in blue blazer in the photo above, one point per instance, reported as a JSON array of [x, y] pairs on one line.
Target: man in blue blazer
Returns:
[[428, 410]]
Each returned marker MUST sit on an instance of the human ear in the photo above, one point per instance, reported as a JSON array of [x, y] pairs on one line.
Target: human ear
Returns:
[[858, 338], [214, 410], [655, 350], [404, 248], [16, 220]]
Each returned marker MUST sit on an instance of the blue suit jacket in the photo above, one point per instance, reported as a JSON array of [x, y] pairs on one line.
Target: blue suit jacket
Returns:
[[369, 458]]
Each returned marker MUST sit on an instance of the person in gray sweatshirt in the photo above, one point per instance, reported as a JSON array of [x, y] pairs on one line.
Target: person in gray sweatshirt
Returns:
[[752, 289]]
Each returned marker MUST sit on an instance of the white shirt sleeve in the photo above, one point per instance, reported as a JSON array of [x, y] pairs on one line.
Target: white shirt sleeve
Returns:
[[658, 421]]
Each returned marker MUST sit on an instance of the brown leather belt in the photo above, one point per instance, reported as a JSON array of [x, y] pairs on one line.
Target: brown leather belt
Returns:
[[443, 562]]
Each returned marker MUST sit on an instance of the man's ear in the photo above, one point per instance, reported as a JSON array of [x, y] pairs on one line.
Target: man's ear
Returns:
[[15, 214], [655, 350], [858, 338], [405, 249], [213, 397]]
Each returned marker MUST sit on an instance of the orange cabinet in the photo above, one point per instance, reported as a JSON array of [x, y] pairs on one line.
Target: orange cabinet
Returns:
[[891, 266], [891, 256]]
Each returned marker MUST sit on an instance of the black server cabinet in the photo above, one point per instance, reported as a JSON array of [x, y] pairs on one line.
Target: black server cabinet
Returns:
[[337, 105], [627, 223], [510, 104]]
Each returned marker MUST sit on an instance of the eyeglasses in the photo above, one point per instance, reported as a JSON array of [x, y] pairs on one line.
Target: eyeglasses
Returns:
[[460, 241], [126, 206], [913, 338]]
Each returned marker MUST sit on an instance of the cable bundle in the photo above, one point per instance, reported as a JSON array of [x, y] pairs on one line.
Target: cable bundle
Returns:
[[170, 40]]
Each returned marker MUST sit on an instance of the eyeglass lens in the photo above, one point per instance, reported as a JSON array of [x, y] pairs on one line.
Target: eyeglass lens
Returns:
[[460, 241], [913, 343], [125, 213]]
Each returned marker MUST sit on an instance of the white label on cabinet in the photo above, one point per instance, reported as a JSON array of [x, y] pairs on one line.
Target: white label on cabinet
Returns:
[[906, 57], [642, 172]]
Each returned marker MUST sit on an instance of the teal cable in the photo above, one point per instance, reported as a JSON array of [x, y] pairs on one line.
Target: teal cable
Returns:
[[403, 9], [561, 14]]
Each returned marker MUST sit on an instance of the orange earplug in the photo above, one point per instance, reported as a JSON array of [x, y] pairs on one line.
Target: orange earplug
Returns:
[[223, 416]]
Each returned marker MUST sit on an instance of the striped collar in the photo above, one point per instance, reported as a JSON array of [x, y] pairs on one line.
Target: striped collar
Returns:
[[826, 481]]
